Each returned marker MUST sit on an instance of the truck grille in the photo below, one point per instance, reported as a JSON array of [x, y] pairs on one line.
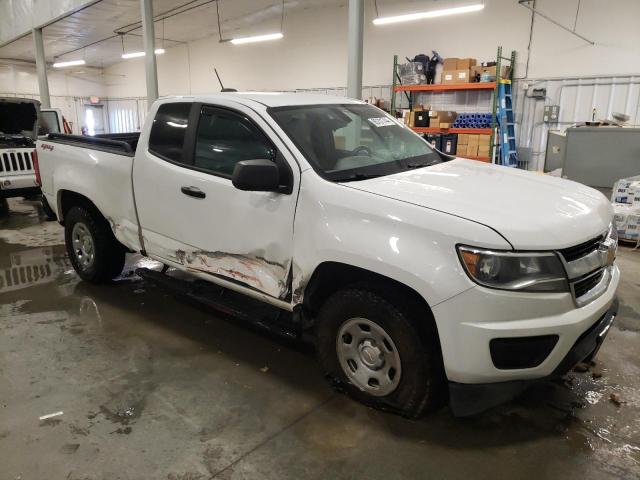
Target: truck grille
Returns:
[[573, 253], [16, 162], [583, 286]]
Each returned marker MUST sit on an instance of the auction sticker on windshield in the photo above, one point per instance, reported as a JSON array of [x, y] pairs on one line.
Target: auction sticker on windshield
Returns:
[[382, 121]]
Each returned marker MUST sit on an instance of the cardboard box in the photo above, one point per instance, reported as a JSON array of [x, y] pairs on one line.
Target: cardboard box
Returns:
[[479, 70], [472, 150], [461, 151], [455, 76], [439, 117], [463, 139], [484, 140], [465, 63], [445, 125], [474, 141], [450, 63], [405, 116], [483, 151]]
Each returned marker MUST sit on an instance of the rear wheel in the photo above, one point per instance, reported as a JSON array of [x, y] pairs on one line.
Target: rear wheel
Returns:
[[94, 252], [370, 347]]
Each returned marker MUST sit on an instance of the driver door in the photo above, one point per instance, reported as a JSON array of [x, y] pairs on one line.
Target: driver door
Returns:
[[192, 215]]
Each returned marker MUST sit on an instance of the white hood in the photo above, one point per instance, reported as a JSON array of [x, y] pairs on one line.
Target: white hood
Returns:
[[532, 211]]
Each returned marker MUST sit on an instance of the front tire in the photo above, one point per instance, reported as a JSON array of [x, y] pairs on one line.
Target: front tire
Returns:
[[370, 347], [94, 252]]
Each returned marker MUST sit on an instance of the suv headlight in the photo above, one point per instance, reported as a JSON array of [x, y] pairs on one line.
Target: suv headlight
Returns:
[[525, 272]]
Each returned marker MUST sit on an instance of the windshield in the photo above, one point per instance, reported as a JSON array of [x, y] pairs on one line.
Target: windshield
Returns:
[[49, 122], [353, 141]]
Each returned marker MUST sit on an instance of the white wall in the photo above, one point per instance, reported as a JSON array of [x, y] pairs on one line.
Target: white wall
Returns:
[[313, 53], [22, 79]]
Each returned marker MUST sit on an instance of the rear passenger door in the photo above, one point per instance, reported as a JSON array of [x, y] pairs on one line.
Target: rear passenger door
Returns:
[[190, 212]]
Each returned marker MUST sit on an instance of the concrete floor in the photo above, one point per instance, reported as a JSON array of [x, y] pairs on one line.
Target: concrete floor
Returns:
[[153, 388]]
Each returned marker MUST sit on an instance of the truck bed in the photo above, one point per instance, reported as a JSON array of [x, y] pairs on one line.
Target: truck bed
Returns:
[[118, 143], [98, 168]]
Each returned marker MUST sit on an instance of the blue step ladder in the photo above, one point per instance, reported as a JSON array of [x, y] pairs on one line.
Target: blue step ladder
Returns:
[[506, 126]]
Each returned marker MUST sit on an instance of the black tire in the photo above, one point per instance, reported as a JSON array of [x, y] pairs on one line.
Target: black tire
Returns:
[[422, 383], [109, 254]]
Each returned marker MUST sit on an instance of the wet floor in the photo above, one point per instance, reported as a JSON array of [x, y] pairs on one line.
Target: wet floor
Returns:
[[153, 388]]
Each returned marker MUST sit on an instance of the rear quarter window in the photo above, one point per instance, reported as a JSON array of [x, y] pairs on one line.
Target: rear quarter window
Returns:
[[166, 139]]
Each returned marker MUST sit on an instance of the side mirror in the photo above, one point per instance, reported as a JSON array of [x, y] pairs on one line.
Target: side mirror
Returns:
[[256, 176]]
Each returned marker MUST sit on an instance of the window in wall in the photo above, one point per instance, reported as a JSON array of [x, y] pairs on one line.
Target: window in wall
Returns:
[[168, 130], [225, 138]]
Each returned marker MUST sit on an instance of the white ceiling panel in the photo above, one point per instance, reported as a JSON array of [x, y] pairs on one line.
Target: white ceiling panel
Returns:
[[88, 31]]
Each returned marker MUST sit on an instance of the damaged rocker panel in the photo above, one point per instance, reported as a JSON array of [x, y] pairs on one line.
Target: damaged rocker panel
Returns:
[[254, 271]]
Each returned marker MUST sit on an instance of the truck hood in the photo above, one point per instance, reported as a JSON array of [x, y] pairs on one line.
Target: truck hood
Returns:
[[532, 211], [18, 115]]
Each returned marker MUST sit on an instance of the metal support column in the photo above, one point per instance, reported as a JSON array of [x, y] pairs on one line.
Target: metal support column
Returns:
[[41, 69], [150, 67], [354, 65]]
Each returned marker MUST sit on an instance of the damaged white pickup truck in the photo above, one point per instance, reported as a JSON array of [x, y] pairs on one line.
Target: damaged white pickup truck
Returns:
[[420, 277]]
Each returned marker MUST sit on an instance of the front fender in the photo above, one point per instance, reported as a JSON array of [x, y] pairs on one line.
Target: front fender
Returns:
[[413, 245]]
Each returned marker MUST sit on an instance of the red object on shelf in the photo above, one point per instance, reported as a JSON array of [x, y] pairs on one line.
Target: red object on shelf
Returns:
[[441, 87], [477, 131]]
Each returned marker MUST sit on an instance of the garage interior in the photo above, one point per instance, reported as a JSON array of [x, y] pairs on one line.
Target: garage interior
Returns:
[[131, 380]]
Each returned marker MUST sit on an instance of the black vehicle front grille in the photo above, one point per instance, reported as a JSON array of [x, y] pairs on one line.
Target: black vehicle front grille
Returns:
[[583, 286], [573, 253]]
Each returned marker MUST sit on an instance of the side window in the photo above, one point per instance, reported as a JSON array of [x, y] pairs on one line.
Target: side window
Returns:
[[168, 130], [225, 138]]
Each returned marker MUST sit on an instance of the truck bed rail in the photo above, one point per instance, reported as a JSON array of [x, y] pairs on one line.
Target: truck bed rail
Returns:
[[121, 143]]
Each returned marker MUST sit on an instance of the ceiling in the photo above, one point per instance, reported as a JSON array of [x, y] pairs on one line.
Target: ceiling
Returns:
[[176, 21]]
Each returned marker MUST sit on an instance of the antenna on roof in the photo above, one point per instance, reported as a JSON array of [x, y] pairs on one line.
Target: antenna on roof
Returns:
[[222, 89]]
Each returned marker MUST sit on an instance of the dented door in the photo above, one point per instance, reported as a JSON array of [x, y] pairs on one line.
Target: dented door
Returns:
[[212, 228]]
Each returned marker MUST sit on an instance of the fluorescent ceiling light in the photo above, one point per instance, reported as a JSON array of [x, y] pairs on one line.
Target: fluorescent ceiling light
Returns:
[[70, 63], [430, 14], [258, 38], [158, 51]]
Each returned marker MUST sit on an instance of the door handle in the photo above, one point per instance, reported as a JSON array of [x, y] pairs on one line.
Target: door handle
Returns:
[[193, 192]]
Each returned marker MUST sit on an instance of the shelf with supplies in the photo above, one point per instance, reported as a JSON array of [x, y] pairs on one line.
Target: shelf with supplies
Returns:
[[444, 87], [458, 124], [473, 131]]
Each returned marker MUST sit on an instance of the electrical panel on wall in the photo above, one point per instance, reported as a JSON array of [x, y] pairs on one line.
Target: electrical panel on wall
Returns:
[[551, 113]]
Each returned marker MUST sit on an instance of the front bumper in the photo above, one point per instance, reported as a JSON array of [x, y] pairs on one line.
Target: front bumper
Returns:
[[468, 399], [468, 322]]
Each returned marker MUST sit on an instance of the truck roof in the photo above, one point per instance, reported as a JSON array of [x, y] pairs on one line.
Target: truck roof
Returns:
[[272, 99]]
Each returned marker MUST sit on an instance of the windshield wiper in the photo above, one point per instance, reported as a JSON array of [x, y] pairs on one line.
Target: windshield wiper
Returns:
[[411, 166], [357, 176]]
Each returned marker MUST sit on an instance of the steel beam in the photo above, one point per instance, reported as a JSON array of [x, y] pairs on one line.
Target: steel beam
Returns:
[[150, 67], [354, 62], [41, 69]]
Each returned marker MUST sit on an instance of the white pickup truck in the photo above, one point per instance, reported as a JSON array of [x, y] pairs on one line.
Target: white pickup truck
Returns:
[[420, 277]]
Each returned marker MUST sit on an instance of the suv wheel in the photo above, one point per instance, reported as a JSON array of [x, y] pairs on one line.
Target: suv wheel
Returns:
[[370, 348], [94, 252]]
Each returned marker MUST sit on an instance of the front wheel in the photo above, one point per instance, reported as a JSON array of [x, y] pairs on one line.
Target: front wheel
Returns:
[[94, 252], [370, 347]]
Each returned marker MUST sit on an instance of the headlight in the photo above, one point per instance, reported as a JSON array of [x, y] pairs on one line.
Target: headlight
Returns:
[[526, 272]]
